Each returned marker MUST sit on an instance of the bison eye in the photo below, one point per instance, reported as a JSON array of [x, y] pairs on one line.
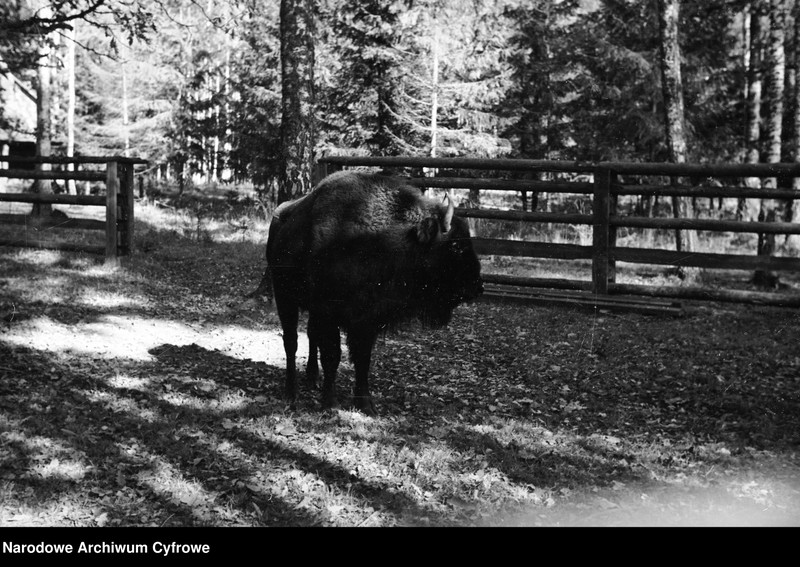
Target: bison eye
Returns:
[[460, 245]]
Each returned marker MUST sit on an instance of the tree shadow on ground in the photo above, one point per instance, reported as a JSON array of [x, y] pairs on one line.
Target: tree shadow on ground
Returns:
[[185, 439], [196, 437], [101, 435], [167, 272], [190, 435]]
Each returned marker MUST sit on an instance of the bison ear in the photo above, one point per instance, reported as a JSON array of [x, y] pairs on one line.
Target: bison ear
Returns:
[[432, 227]]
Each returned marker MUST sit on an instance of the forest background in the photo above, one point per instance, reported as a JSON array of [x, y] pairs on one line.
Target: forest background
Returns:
[[195, 87]]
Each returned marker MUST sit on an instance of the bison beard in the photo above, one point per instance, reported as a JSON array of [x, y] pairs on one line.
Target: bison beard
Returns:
[[362, 253]]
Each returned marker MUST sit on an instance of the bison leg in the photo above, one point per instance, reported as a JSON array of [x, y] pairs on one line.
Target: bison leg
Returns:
[[288, 313], [312, 367], [330, 351], [360, 343]]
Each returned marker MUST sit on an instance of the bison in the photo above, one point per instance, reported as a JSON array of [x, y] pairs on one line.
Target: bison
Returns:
[[362, 253]]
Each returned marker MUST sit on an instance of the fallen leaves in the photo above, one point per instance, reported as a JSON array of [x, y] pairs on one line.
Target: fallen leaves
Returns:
[[507, 406]]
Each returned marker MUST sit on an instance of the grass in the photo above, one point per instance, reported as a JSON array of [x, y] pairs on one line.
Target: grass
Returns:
[[150, 395]]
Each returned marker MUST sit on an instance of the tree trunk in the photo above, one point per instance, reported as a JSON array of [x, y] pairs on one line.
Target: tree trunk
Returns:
[[215, 140], [434, 86], [43, 123], [70, 68], [297, 103], [386, 127], [776, 69], [672, 89], [759, 24], [793, 207], [125, 120], [226, 130]]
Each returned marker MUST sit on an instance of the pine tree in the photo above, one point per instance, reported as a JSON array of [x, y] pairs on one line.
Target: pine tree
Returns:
[[44, 113], [776, 69], [297, 99], [793, 207], [757, 24], [672, 88]]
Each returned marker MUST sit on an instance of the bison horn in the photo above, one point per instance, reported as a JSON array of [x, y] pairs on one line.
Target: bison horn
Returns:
[[448, 215]]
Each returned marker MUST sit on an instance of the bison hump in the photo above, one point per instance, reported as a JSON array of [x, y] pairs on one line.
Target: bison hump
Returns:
[[349, 204]]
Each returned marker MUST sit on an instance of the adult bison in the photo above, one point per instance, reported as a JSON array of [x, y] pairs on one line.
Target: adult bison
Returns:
[[362, 253]]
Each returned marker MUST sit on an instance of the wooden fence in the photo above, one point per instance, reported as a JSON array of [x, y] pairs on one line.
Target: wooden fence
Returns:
[[115, 172], [603, 181]]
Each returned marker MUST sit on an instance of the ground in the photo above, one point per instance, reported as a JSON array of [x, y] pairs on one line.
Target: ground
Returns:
[[151, 395]]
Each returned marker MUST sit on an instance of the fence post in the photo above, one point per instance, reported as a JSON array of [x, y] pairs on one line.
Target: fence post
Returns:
[[613, 201], [319, 173], [4, 151], [601, 241], [126, 208], [112, 187], [323, 169]]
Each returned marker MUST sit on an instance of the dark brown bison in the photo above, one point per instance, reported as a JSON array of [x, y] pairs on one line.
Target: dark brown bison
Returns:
[[361, 253]]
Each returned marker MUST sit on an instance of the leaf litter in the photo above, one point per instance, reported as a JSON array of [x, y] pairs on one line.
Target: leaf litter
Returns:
[[510, 416]]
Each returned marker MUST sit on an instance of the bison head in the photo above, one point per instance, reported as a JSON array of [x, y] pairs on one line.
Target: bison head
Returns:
[[449, 272]]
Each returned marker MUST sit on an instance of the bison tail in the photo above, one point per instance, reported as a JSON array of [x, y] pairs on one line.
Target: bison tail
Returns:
[[264, 289]]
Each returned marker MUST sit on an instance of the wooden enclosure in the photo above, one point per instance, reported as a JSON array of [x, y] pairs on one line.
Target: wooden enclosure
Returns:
[[603, 184], [114, 173]]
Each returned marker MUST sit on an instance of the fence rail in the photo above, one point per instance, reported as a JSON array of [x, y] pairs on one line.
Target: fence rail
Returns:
[[55, 199], [602, 181], [33, 174], [502, 184], [116, 174]]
